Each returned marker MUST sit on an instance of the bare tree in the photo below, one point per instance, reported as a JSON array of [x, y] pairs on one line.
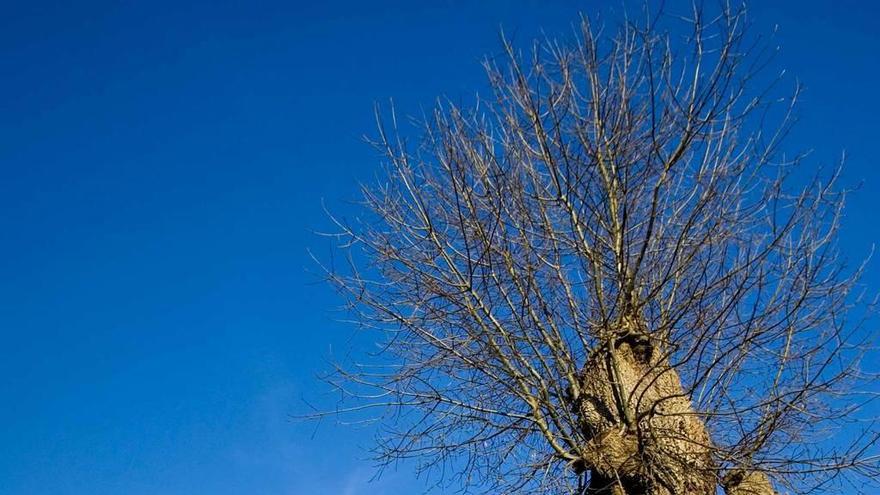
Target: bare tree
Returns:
[[607, 278]]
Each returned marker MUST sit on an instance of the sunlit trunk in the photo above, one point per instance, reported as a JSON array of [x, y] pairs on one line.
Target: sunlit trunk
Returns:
[[644, 437]]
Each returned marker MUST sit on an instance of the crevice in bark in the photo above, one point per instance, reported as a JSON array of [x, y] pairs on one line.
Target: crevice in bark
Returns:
[[604, 485]]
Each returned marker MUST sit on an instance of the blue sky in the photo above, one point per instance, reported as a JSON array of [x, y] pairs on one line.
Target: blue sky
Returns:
[[163, 167]]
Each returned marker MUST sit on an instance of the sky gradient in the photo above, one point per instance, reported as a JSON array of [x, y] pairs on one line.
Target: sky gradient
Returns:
[[163, 168]]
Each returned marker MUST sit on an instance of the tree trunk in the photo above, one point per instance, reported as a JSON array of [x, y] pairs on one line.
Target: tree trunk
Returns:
[[643, 435]]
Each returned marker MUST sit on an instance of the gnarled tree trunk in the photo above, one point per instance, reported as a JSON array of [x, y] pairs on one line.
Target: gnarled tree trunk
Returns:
[[644, 436]]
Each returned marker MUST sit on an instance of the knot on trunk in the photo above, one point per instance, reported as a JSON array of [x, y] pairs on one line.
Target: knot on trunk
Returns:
[[747, 482]]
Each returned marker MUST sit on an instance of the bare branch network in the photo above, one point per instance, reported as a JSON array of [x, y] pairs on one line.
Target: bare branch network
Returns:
[[606, 278]]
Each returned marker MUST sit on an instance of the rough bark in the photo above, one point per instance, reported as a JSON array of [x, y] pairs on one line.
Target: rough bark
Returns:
[[644, 437]]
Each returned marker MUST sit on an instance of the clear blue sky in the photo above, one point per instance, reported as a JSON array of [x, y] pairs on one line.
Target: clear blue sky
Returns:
[[163, 165]]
